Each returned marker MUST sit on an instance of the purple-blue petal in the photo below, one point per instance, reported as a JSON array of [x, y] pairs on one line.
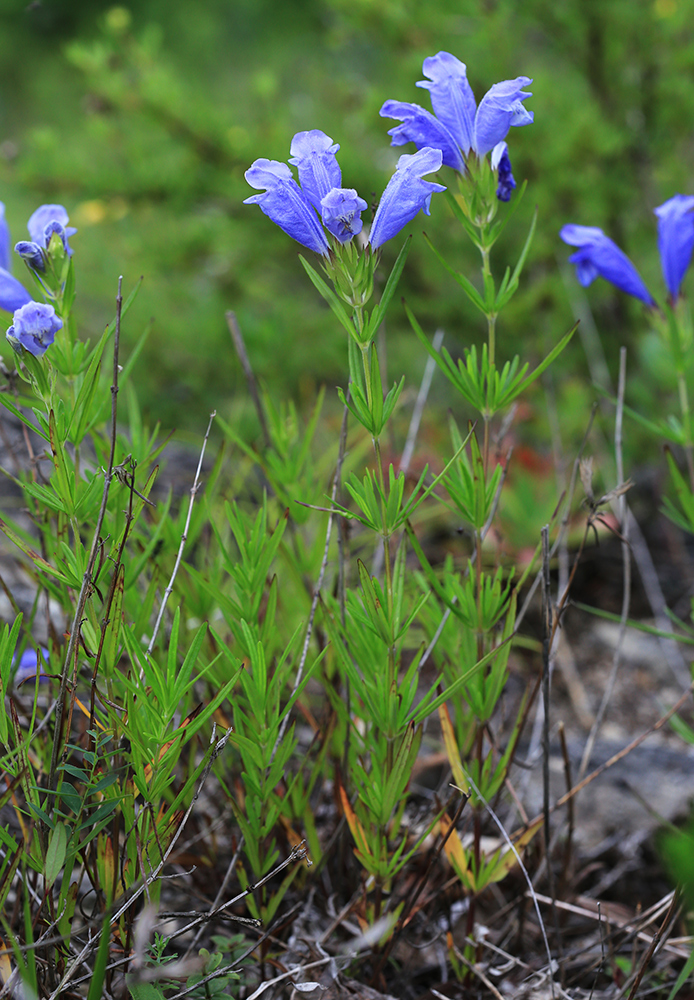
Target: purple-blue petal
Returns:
[[313, 154], [4, 240], [406, 194], [599, 256], [675, 239], [35, 326], [29, 664], [40, 225], [12, 293], [500, 108], [423, 129], [341, 210], [502, 163], [285, 203], [451, 97]]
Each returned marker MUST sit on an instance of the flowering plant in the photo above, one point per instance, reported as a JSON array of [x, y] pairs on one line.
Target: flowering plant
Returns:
[[47, 255]]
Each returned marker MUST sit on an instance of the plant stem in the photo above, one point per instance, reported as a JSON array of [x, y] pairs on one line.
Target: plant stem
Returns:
[[686, 424]]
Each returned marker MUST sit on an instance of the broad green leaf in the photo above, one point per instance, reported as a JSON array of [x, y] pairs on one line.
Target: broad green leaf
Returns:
[[55, 853]]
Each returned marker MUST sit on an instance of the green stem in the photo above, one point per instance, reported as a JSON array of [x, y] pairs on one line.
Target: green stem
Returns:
[[381, 479], [388, 573], [686, 423], [491, 317]]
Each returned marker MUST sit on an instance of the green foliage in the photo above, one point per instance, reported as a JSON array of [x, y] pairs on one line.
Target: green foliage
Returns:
[[177, 111], [321, 661]]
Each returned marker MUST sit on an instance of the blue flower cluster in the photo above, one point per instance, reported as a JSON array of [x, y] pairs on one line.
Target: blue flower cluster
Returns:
[[458, 127], [35, 324], [305, 211], [599, 257], [318, 206]]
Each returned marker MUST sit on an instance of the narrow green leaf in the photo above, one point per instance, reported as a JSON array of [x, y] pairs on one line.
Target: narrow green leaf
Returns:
[[64, 481], [82, 407], [464, 283], [96, 982], [522, 385], [9, 405], [505, 294]]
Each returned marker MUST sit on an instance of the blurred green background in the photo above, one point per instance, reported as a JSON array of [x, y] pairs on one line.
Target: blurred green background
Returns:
[[141, 120]]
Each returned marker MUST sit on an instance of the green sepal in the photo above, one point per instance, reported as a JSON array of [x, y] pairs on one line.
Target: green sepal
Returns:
[[331, 298], [379, 312]]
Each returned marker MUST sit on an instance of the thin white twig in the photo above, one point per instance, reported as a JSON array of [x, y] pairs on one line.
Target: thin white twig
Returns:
[[531, 889], [420, 403], [279, 979], [184, 537]]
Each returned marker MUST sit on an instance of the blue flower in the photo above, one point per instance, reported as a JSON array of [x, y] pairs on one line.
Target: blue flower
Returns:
[[341, 210], [34, 328], [293, 207], [4, 240], [313, 155], [29, 663], [45, 221], [458, 127], [599, 256], [49, 219], [13, 294], [675, 239], [406, 194], [285, 203], [502, 164], [32, 254]]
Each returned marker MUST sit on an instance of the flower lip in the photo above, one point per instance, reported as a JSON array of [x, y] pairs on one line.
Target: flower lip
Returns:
[[499, 110], [313, 154], [341, 210], [34, 328], [42, 225], [451, 97], [405, 194], [424, 129], [13, 294], [285, 203], [598, 256]]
